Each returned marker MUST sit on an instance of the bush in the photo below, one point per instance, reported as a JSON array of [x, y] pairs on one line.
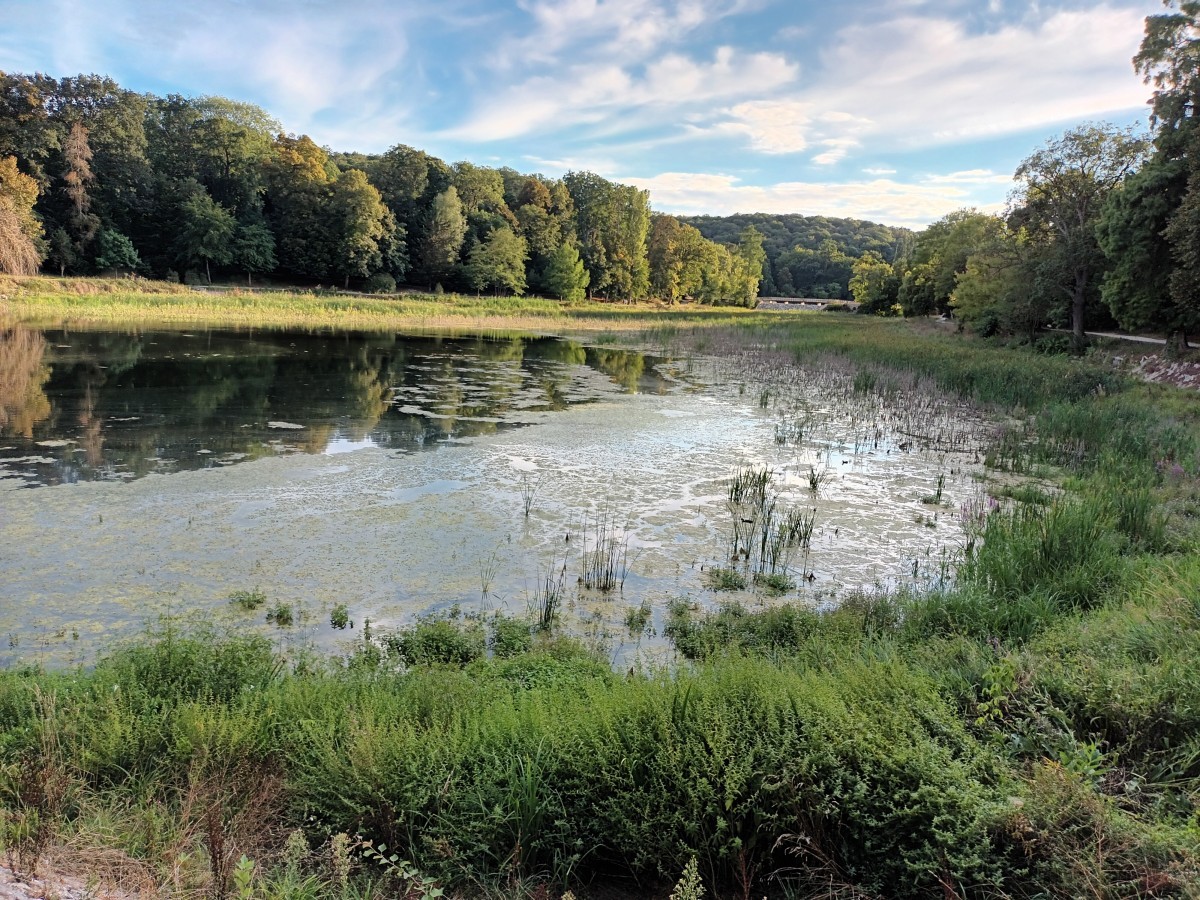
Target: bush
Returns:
[[438, 642], [380, 283]]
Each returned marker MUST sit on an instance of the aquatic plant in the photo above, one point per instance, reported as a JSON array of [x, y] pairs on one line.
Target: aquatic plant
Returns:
[[248, 600], [606, 559]]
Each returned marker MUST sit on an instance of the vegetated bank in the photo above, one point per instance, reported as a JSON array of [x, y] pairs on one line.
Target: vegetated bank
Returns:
[[1031, 731]]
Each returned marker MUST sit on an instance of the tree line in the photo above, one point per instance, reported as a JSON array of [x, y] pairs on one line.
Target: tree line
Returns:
[[1102, 228], [96, 178], [809, 256]]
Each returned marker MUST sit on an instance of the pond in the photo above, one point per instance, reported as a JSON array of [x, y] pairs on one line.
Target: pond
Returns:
[[155, 473]]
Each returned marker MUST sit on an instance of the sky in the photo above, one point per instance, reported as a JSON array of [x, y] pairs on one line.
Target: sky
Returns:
[[894, 111]]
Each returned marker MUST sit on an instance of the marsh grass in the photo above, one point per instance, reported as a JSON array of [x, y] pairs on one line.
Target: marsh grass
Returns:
[[606, 557]]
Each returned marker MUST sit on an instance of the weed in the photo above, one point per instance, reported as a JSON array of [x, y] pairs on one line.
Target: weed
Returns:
[[606, 561], [248, 600], [725, 578], [548, 597], [529, 489], [637, 619], [775, 583], [282, 615]]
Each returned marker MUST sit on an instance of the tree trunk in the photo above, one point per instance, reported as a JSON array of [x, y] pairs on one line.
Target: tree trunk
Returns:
[[1078, 298], [207, 273]]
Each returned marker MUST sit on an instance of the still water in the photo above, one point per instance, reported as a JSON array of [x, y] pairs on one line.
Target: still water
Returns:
[[154, 473]]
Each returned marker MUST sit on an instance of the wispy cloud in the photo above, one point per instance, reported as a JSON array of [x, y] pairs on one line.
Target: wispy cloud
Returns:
[[612, 95], [932, 81]]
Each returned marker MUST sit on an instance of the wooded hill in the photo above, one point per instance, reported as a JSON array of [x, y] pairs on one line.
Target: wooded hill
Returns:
[[808, 256]]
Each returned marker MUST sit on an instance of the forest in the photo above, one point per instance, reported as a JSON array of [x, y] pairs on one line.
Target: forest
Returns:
[[95, 178]]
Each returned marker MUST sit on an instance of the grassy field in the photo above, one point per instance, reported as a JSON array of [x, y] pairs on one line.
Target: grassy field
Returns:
[[1031, 730], [102, 301]]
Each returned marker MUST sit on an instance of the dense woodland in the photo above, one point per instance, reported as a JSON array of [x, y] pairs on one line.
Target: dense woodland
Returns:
[[1102, 228], [809, 256], [96, 178]]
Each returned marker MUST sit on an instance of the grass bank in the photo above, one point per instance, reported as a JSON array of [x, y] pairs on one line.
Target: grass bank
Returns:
[[45, 300], [1031, 730]]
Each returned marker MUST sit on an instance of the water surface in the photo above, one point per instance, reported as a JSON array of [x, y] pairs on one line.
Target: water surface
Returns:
[[389, 473]]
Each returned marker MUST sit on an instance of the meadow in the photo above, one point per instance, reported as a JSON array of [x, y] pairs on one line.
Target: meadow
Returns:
[[1029, 729]]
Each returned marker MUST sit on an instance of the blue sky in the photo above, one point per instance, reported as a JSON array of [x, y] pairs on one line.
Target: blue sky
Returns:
[[897, 112]]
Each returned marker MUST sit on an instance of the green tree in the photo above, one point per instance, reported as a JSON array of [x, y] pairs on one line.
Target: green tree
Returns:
[[750, 248], [498, 262], [1137, 287], [207, 232], [115, 252], [1062, 189], [565, 276], [443, 235], [364, 226], [253, 249], [873, 284], [1003, 289], [939, 256]]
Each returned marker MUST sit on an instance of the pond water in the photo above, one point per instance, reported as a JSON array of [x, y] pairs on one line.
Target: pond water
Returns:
[[157, 472]]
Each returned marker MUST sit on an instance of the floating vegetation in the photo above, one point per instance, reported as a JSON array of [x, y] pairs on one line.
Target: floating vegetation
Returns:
[[725, 578], [248, 600], [281, 614]]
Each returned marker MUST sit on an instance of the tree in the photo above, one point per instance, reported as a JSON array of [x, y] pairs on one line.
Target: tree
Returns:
[[873, 284], [565, 276], [20, 231], [1138, 287], [363, 225], [253, 249], [115, 252], [1167, 58], [82, 224], [207, 232], [443, 237], [498, 262], [750, 248], [1061, 192], [1003, 289], [939, 256]]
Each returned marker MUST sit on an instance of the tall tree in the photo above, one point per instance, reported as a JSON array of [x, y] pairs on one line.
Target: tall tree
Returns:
[[77, 178], [1061, 191], [443, 236], [365, 228], [1133, 232], [20, 231]]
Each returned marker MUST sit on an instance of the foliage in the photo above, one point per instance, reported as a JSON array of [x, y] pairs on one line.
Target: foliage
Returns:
[[1061, 191], [115, 252], [565, 276]]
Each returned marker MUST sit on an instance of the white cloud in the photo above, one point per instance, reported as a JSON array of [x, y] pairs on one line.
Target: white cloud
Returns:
[[879, 200], [614, 95], [969, 176], [876, 170], [931, 81]]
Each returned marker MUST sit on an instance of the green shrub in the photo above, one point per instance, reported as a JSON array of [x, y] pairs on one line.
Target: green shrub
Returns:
[[438, 642], [380, 283]]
